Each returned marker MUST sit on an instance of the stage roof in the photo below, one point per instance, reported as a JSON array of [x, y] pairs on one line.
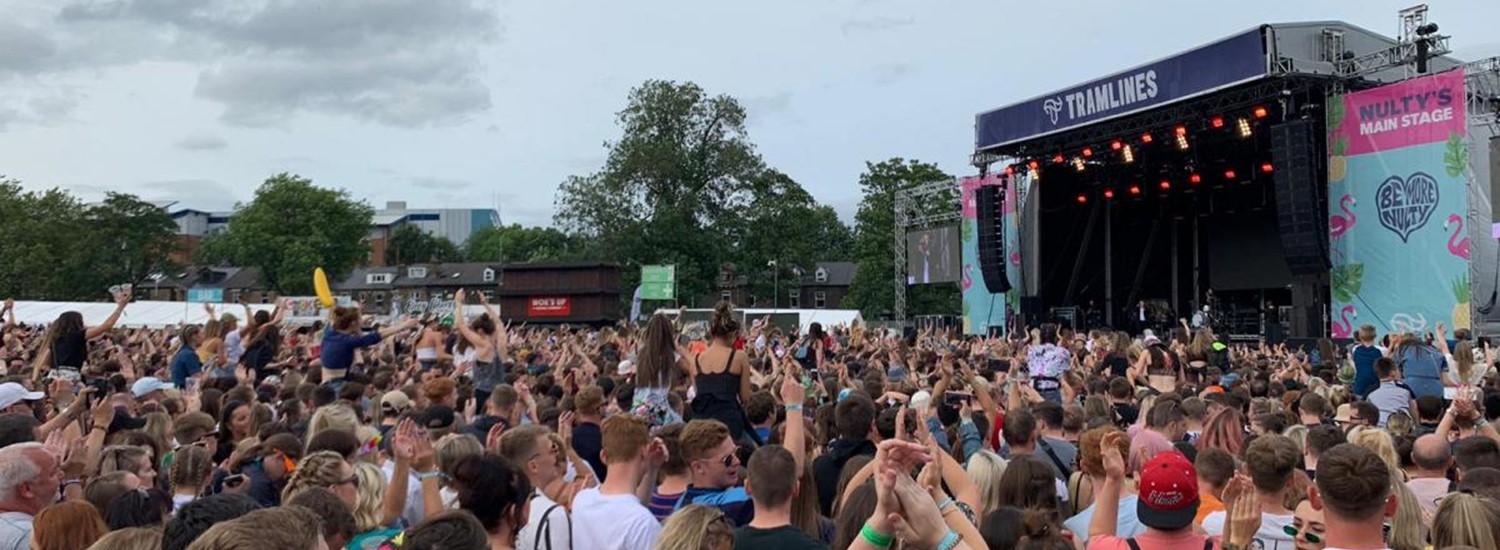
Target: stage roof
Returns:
[[1264, 52]]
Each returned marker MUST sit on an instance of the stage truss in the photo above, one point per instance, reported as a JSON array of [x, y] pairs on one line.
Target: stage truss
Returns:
[[920, 206]]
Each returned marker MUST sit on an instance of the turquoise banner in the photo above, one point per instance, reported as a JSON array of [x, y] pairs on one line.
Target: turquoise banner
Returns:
[[984, 308], [1398, 201]]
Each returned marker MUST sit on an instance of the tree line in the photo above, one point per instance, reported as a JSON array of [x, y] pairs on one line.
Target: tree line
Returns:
[[681, 185]]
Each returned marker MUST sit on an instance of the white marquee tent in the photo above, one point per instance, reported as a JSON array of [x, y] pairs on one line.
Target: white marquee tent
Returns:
[[137, 314]]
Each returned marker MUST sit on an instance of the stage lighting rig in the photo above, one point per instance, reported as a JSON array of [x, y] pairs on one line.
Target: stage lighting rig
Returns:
[[1128, 154], [1243, 125]]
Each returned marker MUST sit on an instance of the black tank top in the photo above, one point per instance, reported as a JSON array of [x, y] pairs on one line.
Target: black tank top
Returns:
[[70, 350]]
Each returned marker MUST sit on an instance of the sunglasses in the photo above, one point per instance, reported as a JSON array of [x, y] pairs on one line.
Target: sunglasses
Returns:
[[352, 480], [1291, 531]]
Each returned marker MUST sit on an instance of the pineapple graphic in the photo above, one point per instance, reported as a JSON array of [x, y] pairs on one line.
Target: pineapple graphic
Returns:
[[1461, 309], [1338, 166]]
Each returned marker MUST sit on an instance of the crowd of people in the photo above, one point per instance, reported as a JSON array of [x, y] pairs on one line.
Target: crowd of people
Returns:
[[462, 432]]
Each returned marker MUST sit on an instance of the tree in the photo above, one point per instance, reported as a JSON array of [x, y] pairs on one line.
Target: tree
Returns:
[[133, 239], [513, 243], [409, 244], [873, 291], [290, 228], [684, 186], [54, 247], [785, 225]]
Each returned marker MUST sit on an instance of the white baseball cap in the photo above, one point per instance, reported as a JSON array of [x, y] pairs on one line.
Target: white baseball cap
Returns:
[[12, 393], [145, 386]]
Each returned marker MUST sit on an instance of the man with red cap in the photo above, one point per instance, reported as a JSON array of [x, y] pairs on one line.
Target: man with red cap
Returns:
[[1168, 502]]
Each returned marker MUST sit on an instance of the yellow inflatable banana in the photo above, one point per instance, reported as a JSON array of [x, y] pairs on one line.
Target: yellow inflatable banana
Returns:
[[320, 285]]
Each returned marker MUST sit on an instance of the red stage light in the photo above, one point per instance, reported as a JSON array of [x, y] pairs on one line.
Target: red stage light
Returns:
[[1181, 130], [1229, 174], [1165, 185], [1116, 145], [1195, 178], [1082, 199], [1034, 165], [1266, 167], [1087, 152], [1135, 189], [1058, 159], [1260, 112], [1217, 122], [1109, 193], [1146, 137]]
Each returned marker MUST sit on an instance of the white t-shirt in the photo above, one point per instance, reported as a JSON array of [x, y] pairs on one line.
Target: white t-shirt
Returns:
[[557, 526], [1271, 536], [233, 347], [612, 522], [15, 531]]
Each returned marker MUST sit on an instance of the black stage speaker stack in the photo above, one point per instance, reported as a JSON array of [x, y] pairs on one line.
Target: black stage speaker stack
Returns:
[[989, 205], [1299, 216]]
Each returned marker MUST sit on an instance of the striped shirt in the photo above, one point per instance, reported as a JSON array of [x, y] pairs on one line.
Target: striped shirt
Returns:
[[663, 505]]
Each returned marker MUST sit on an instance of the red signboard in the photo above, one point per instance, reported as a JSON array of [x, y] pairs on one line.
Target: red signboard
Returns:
[[549, 306]]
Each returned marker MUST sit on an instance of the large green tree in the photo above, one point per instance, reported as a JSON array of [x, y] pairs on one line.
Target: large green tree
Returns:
[[873, 291], [290, 228], [409, 244], [683, 185], [133, 239], [514, 243], [55, 247]]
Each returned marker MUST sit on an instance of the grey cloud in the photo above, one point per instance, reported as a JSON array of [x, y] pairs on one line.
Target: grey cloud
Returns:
[[24, 50], [875, 24], [202, 142], [50, 107], [768, 104], [407, 63]]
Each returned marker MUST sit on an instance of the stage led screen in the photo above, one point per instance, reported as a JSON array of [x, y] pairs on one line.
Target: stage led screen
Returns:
[[932, 255]]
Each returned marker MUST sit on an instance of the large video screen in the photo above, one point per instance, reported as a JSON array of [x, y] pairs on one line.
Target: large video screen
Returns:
[[932, 255]]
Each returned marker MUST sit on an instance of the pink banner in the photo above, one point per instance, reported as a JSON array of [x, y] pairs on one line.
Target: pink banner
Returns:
[[972, 183], [1414, 112]]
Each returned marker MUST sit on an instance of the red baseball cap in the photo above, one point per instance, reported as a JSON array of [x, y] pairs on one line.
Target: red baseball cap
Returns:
[[1168, 492]]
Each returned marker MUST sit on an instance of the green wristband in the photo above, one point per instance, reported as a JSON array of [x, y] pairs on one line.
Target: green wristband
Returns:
[[874, 537]]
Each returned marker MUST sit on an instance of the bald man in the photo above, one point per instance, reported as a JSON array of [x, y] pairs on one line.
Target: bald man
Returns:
[[1429, 480]]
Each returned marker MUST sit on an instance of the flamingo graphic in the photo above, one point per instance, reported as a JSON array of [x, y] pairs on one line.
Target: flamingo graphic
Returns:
[[1341, 327], [1457, 247], [1338, 225], [1015, 258], [967, 280]]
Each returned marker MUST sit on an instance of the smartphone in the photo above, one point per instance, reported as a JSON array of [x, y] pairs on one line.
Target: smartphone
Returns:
[[956, 398], [234, 480]]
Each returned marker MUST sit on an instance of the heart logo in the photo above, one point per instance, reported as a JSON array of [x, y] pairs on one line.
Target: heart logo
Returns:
[[1405, 205]]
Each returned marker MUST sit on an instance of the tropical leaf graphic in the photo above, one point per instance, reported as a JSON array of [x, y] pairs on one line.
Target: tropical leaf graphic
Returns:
[[1347, 280], [966, 308], [1460, 288], [967, 234], [1335, 111], [1456, 159]]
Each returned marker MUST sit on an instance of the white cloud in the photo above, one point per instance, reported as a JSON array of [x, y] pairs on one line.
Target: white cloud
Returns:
[[202, 142]]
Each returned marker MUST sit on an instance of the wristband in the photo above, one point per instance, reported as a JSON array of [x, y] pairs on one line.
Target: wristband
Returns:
[[794, 407], [948, 501], [424, 476], [874, 537], [949, 541]]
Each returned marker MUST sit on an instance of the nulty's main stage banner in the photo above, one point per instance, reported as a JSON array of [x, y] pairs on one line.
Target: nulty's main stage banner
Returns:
[[1397, 201], [985, 308]]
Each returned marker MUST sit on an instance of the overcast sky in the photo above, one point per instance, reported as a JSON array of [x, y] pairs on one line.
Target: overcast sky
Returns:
[[463, 103]]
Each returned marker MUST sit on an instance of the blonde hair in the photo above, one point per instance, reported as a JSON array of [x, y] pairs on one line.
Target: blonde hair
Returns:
[[370, 493], [986, 468], [1463, 519], [191, 467], [696, 527], [453, 447], [1298, 435], [1407, 530], [134, 538], [320, 469], [337, 416], [123, 458], [1379, 442], [1399, 424], [159, 428]]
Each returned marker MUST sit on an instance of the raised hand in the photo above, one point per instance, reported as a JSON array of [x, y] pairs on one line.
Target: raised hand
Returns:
[[1242, 514], [1109, 450], [103, 413]]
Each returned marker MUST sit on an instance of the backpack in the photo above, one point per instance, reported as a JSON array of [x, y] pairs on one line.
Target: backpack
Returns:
[[544, 528]]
